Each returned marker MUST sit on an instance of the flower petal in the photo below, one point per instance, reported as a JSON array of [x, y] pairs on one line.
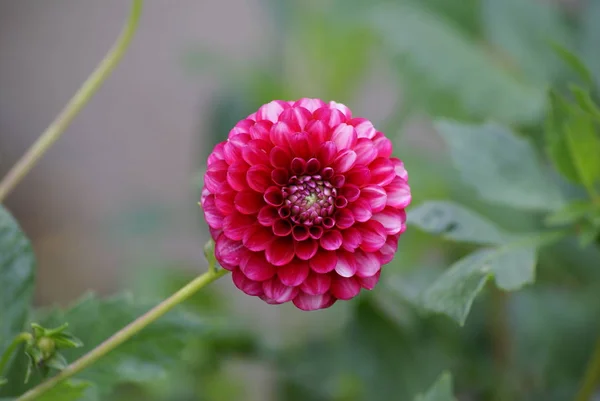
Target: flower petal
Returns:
[[271, 111], [344, 287], [280, 251], [308, 302], [373, 235], [316, 284], [331, 240], [352, 239], [310, 104], [236, 175], [236, 224], [213, 216], [249, 202], [255, 267], [259, 178], [267, 216], [294, 273], [257, 238], [346, 264], [344, 136], [323, 261], [367, 263], [344, 161], [276, 292], [248, 286], [228, 252], [398, 193], [369, 283], [376, 196], [306, 249], [383, 171], [392, 219]]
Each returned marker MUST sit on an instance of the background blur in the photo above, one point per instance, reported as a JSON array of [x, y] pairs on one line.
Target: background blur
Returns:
[[114, 204]]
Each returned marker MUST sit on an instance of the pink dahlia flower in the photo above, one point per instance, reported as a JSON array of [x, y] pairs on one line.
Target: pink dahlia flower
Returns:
[[305, 203]]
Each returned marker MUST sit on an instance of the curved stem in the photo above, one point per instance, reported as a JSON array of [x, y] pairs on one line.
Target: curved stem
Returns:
[[18, 340], [77, 102], [125, 333]]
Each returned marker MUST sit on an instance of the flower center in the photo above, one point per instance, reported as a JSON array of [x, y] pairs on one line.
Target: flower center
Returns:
[[309, 198]]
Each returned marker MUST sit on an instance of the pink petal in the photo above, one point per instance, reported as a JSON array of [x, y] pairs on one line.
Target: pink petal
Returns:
[[233, 147], [364, 127], [213, 216], [298, 166], [244, 125], [257, 238], [346, 264], [280, 133], [344, 287], [250, 287], [236, 224], [388, 250], [216, 176], [282, 228], [306, 249], [280, 157], [367, 264], [365, 151], [294, 273], [296, 116], [344, 161], [341, 107], [331, 117], [344, 218], [376, 196], [218, 153], [267, 216], [383, 145], [315, 232], [331, 240], [361, 209], [280, 176], [369, 283], [344, 136], [281, 251], [271, 111], [228, 252], [310, 104], [225, 201], [373, 235], [273, 196], [352, 239], [392, 219], [259, 178], [308, 302], [313, 166], [323, 261], [249, 202], [255, 153], [317, 132], [277, 293], [261, 130], [350, 192], [316, 284], [326, 153], [398, 193], [236, 175], [359, 176], [255, 267], [399, 167], [383, 171], [300, 145]]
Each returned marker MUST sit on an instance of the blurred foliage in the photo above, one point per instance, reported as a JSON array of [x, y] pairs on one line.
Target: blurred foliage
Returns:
[[505, 185]]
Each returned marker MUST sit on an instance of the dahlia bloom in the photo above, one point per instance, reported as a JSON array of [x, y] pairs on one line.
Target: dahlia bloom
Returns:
[[304, 203]]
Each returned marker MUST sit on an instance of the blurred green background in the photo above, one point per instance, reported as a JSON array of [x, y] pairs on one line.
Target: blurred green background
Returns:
[[114, 207]]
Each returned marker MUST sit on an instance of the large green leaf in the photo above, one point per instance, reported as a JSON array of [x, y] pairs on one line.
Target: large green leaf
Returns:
[[441, 390], [17, 270], [457, 65], [556, 141], [501, 166], [523, 30], [456, 223], [146, 358], [455, 290]]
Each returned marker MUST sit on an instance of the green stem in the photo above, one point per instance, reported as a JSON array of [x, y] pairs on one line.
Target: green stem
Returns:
[[126, 333], [19, 339], [591, 379], [77, 102]]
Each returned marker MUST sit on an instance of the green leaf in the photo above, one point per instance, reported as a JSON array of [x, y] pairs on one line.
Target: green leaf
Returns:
[[455, 290], [70, 390], [571, 213], [453, 64], [441, 390], [522, 29], [585, 101], [145, 358], [502, 167], [455, 222], [556, 142], [584, 146], [17, 271], [573, 61]]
